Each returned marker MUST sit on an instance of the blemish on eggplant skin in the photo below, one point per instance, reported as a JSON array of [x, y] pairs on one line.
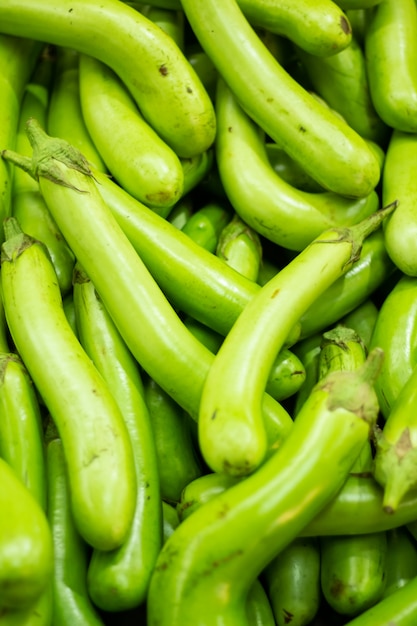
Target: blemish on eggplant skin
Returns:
[[345, 25], [275, 293], [214, 414], [189, 90], [302, 129], [163, 70], [288, 616], [230, 129]]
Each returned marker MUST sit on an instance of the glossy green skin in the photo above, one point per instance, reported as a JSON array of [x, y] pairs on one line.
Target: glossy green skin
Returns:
[[395, 332], [38, 614], [181, 212], [204, 68], [356, 4], [17, 59], [205, 225], [195, 170], [319, 27], [203, 489], [105, 253], [162, 82], [342, 80], [391, 53], [400, 608], [356, 509], [28, 206], [34, 218], [133, 152], [177, 457], [289, 217], [179, 265], [170, 520], [399, 183], [292, 581], [65, 118], [287, 375], [289, 170], [71, 603], [227, 542], [258, 606], [209, 337], [21, 432], [94, 435], [401, 559], [34, 103], [182, 268], [361, 281], [240, 246], [308, 351], [334, 154], [363, 320], [353, 571], [170, 20], [230, 424], [26, 550], [118, 580]]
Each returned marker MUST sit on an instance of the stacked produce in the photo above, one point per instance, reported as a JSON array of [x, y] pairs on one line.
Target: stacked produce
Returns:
[[207, 314]]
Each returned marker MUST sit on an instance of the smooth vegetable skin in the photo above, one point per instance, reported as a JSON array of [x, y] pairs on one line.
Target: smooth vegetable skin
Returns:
[[21, 429], [363, 320], [226, 543], [399, 182], [18, 58], [95, 439], [258, 607], [162, 82], [292, 581], [177, 458], [165, 348], [399, 608], [28, 206], [170, 20], [200, 284], [118, 579], [395, 332], [356, 509], [136, 156], [359, 283], [206, 223], [275, 209], [240, 246], [391, 56], [353, 571], [356, 4], [328, 149], [195, 281], [401, 559], [230, 424], [319, 27], [71, 603], [26, 550], [65, 118], [289, 170], [342, 80]]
